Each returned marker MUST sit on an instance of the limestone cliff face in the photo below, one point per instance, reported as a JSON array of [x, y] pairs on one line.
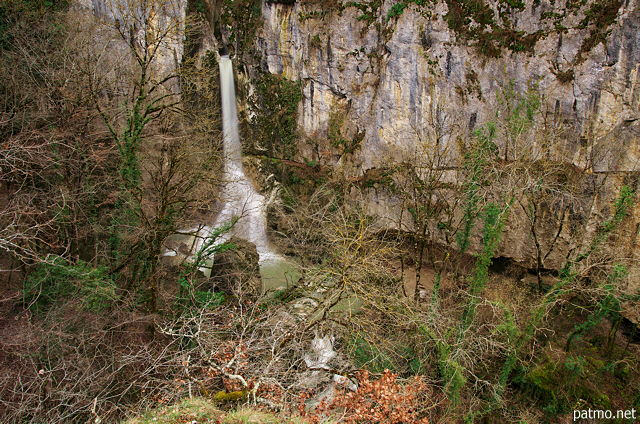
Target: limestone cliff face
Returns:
[[390, 77], [439, 68], [163, 21]]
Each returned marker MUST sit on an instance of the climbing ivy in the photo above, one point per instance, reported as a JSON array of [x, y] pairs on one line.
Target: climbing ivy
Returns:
[[188, 295], [336, 119], [275, 103], [600, 16], [474, 165], [607, 307], [475, 22], [242, 18]]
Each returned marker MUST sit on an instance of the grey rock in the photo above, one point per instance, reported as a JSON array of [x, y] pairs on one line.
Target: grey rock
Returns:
[[236, 271]]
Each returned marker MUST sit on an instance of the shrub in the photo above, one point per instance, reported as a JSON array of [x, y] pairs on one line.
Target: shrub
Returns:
[[53, 281]]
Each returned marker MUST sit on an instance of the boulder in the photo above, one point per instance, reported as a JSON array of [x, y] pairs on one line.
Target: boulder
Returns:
[[237, 271]]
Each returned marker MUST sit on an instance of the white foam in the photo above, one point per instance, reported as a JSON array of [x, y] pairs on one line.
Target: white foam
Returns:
[[239, 197]]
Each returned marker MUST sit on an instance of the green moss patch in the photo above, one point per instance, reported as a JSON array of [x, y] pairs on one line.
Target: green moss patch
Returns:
[[560, 385]]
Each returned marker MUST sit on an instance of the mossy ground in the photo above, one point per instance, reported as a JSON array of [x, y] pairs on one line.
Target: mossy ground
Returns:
[[202, 410], [588, 376]]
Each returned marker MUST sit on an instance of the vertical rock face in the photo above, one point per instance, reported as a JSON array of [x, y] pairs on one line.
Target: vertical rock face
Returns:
[[135, 19], [379, 76], [392, 76]]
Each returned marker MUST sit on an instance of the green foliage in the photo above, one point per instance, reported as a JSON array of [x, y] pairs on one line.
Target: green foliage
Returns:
[[453, 375], [396, 10], [600, 16], [601, 13], [607, 307], [516, 4], [528, 107], [451, 372], [51, 283], [575, 366], [463, 15], [154, 204], [275, 103], [370, 12], [564, 77], [244, 19], [315, 14], [205, 410], [198, 5], [199, 299], [517, 110], [367, 355], [620, 212], [494, 221], [196, 409], [477, 163], [310, 162], [481, 151], [474, 21], [558, 386], [223, 396], [25, 15]]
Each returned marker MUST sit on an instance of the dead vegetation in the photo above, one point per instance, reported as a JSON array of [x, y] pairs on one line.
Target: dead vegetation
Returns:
[[96, 327]]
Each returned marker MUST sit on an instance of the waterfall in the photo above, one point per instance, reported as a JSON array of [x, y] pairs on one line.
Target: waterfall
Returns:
[[238, 195], [239, 198]]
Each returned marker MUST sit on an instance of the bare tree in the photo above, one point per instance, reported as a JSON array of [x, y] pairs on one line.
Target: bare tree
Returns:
[[164, 174]]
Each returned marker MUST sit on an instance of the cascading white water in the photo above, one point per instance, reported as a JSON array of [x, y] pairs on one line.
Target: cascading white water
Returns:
[[239, 197]]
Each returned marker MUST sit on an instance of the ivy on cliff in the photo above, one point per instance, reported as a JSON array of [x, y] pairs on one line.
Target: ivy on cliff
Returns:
[[275, 103], [242, 18], [475, 22]]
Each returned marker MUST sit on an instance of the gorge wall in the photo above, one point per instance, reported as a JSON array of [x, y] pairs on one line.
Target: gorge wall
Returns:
[[387, 75], [382, 75]]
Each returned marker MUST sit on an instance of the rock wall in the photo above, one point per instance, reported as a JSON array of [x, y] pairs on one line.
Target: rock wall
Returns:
[[391, 77], [161, 23], [388, 73], [378, 77]]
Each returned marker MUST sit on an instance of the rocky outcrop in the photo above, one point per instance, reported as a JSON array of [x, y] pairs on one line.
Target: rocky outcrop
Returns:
[[390, 77], [236, 270], [379, 76], [160, 24]]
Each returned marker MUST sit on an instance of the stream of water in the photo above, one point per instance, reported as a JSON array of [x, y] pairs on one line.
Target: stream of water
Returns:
[[239, 197]]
